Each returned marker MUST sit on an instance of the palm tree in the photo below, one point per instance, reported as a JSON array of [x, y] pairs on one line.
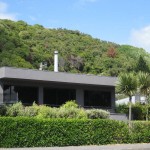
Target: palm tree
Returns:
[[127, 84], [144, 87]]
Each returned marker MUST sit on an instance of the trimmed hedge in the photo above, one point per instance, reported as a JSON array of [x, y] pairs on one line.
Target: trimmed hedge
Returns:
[[33, 132]]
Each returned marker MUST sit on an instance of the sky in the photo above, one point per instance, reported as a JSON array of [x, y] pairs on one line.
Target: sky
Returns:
[[118, 21]]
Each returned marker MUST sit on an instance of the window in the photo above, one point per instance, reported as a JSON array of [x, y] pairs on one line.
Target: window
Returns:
[[56, 97], [97, 98], [10, 96], [26, 95]]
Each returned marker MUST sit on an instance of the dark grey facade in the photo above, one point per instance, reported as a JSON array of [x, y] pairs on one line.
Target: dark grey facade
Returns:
[[55, 88]]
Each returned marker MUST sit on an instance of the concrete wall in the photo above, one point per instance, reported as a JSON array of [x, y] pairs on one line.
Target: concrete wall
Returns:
[[1, 93], [80, 97]]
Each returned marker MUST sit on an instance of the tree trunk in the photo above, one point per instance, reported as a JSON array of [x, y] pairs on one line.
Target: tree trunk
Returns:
[[147, 113], [130, 111], [147, 110]]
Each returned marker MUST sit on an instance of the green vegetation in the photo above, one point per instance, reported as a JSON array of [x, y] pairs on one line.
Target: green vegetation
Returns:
[[33, 132], [139, 111], [68, 110], [78, 52], [127, 84], [144, 87], [130, 84]]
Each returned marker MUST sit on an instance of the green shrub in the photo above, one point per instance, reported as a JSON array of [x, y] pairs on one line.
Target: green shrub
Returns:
[[68, 110], [30, 111], [16, 109], [37, 132], [138, 110], [122, 108], [97, 114], [140, 132], [33, 132], [71, 103], [47, 112], [71, 112], [3, 110]]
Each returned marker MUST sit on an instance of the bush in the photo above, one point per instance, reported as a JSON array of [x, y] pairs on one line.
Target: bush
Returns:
[[68, 110], [70, 104], [16, 109], [47, 112], [3, 110], [122, 108], [33, 132], [31, 111], [97, 114], [140, 132], [71, 112], [138, 110]]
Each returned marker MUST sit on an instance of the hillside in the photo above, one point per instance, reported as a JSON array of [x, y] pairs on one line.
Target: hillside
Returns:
[[23, 45]]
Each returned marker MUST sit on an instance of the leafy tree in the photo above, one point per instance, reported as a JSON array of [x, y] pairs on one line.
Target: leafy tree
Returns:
[[127, 84], [111, 52], [144, 87], [142, 65], [79, 52]]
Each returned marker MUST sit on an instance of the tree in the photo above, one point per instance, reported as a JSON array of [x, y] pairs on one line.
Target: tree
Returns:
[[111, 52], [144, 87], [142, 65], [127, 84]]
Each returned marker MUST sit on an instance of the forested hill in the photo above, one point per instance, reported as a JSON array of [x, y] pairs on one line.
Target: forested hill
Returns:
[[23, 45]]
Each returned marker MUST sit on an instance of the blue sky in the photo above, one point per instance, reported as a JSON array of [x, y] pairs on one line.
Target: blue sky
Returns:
[[119, 21]]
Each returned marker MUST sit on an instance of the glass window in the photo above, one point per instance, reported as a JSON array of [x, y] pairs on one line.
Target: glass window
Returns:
[[10, 95], [56, 97], [26, 95], [97, 98]]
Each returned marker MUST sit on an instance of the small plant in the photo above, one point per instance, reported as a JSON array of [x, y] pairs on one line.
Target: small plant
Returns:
[[97, 114]]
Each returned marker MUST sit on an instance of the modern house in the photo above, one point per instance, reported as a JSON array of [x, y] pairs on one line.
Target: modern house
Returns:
[[55, 88]]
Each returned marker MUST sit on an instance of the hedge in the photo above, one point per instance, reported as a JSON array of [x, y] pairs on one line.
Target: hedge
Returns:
[[33, 132]]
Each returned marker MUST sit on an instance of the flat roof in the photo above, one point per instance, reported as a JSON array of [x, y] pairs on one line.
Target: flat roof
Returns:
[[49, 76]]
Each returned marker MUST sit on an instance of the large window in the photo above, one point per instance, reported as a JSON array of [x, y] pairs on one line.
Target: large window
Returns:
[[26, 95], [97, 98], [10, 95], [56, 97]]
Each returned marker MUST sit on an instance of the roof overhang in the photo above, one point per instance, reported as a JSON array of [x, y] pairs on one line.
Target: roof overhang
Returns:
[[59, 77]]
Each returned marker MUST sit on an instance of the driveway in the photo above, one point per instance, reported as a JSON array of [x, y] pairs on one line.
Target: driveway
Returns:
[[104, 147]]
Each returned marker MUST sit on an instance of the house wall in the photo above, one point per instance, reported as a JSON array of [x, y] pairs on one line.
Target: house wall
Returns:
[[1, 93], [80, 88]]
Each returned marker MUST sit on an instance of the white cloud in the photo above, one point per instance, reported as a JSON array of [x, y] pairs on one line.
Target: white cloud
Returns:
[[141, 38], [4, 14]]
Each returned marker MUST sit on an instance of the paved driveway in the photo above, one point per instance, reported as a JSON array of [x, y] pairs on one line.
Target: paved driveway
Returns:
[[105, 147]]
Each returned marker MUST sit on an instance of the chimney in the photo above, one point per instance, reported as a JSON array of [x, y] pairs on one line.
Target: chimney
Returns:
[[55, 61]]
